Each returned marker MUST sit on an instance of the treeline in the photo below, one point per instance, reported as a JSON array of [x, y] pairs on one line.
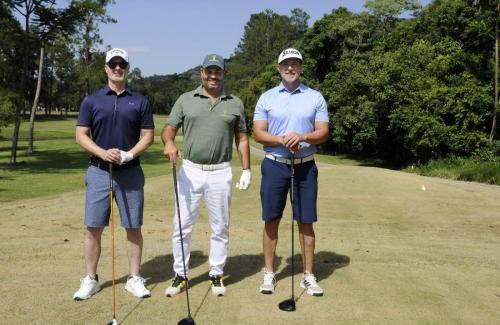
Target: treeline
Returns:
[[402, 90]]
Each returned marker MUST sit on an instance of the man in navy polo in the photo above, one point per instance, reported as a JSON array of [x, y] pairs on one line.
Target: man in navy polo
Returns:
[[290, 118], [115, 126]]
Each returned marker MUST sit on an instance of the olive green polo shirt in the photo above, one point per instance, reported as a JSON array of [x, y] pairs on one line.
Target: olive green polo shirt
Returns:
[[209, 129]]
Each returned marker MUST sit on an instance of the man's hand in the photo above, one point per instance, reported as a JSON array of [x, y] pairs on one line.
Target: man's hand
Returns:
[[126, 156], [245, 179], [292, 141], [171, 152], [111, 155]]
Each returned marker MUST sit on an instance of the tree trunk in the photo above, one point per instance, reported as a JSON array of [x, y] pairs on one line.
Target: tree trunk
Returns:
[[35, 102], [20, 102], [495, 110]]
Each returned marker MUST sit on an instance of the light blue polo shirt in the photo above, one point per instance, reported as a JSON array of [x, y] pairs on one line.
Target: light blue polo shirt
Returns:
[[286, 111]]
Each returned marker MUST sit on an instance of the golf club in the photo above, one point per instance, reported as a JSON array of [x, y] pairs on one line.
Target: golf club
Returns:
[[188, 320], [112, 221], [289, 304]]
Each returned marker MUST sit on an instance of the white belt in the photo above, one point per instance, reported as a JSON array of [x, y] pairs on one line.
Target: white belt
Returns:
[[206, 167], [289, 161]]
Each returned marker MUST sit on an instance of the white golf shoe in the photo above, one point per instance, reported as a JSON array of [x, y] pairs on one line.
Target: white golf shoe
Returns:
[[178, 285], [135, 285], [309, 281], [217, 285], [269, 283], [88, 287]]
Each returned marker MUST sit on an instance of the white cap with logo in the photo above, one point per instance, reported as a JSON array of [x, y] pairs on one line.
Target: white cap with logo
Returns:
[[116, 52], [289, 53]]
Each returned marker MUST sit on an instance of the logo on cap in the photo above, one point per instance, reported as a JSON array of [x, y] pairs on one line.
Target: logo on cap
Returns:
[[289, 53], [116, 52], [213, 60]]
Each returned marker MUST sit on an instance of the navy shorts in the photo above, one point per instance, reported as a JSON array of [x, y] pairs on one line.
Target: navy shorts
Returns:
[[128, 186], [275, 185]]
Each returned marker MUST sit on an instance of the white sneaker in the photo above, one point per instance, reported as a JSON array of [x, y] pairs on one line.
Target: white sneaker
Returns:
[[88, 287], [217, 285], [135, 285], [269, 283], [309, 282]]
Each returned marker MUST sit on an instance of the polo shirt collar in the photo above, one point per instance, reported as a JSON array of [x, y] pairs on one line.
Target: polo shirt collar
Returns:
[[199, 92], [108, 91], [301, 88]]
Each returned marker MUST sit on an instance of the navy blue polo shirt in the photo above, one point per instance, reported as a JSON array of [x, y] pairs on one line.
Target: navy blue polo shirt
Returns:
[[115, 121]]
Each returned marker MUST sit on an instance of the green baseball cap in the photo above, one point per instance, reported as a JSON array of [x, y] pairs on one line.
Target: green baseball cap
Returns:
[[213, 60]]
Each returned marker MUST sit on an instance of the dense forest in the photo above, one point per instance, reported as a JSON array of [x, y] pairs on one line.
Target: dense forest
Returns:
[[401, 90]]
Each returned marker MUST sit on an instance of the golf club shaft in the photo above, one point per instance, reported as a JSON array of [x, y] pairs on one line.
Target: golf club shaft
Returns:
[[174, 172], [292, 184], [112, 220]]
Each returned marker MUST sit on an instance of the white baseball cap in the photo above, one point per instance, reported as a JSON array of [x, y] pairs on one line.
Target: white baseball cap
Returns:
[[289, 53], [116, 52]]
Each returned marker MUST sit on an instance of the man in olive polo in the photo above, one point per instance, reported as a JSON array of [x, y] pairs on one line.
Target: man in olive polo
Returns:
[[211, 119]]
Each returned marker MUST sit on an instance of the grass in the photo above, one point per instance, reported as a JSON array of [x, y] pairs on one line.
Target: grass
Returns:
[[387, 252], [58, 163]]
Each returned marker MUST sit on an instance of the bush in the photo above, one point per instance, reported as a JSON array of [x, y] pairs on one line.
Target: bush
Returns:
[[475, 169], [7, 111]]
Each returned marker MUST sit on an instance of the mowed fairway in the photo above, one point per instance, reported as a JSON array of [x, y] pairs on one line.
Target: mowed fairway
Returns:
[[387, 253]]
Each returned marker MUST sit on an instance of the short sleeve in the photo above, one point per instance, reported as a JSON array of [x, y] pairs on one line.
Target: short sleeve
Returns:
[[321, 110], [176, 116], [260, 113], [147, 121], [85, 115]]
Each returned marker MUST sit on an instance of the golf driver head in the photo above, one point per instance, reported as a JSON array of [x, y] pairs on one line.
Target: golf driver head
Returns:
[[287, 305], [186, 321], [113, 322]]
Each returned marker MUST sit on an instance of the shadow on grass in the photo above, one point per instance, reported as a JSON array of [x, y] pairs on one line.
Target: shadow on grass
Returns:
[[325, 263], [159, 269]]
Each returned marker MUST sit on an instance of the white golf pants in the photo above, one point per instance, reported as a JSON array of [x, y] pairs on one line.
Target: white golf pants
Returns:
[[215, 185]]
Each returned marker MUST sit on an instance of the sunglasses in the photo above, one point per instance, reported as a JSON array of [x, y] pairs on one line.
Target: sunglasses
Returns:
[[121, 64]]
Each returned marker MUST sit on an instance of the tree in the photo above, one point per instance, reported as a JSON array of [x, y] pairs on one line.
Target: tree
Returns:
[[389, 10], [492, 13], [93, 13], [265, 35], [25, 8], [49, 25]]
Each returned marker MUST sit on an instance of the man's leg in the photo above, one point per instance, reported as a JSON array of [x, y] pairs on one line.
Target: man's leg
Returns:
[[269, 242], [89, 285], [135, 283], [134, 249], [218, 202], [307, 243], [92, 250]]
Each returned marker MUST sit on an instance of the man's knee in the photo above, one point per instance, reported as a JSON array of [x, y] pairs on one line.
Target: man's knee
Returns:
[[134, 233]]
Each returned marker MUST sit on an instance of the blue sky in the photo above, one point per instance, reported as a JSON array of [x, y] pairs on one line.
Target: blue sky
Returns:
[[164, 37]]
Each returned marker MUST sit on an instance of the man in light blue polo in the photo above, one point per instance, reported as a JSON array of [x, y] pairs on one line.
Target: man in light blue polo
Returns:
[[290, 118]]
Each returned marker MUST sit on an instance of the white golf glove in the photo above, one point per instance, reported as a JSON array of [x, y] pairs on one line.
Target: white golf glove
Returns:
[[126, 156], [245, 179]]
